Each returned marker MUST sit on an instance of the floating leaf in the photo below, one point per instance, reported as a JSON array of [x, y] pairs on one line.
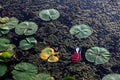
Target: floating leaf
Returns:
[[3, 69], [4, 20], [49, 54], [4, 41], [27, 43], [24, 71], [49, 14], [6, 46], [81, 31], [97, 55], [5, 56], [12, 23], [26, 28], [6, 24], [111, 77], [53, 59], [42, 76]]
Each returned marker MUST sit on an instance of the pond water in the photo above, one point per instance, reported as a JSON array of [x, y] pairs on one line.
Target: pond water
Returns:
[[103, 16]]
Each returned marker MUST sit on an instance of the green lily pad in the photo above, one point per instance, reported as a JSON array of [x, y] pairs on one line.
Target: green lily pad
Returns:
[[81, 31], [2, 32], [97, 55], [49, 14], [4, 41], [111, 77], [7, 24], [3, 69], [24, 71], [4, 20], [12, 23], [42, 76], [27, 43], [26, 28], [5, 44]]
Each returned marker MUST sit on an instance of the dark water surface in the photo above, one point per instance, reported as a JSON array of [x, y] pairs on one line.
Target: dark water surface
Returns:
[[102, 15]]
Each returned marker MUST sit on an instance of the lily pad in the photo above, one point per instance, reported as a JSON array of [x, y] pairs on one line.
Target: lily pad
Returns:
[[42, 76], [27, 43], [49, 14], [49, 55], [97, 55], [6, 24], [111, 77], [26, 28], [4, 41], [53, 59], [3, 69], [12, 23], [4, 20], [3, 32], [24, 71], [6, 46], [81, 31], [5, 56]]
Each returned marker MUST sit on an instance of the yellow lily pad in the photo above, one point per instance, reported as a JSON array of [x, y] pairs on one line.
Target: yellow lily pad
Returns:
[[53, 59], [48, 50], [44, 56], [48, 54]]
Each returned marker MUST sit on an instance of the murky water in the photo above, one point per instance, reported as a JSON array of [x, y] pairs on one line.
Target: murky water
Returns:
[[102, 15]]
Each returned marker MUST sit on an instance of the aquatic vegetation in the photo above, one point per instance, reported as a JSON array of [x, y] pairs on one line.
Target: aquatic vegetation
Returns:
[[6, 52], [49, 54], [43, 76], [111, 77], [3, 69], [97, 55], [24, 71], [28, 71], [76, 57], [6, 49], [49, 14], [26, 28], [27, 43], [5, 56], [68, 78], [5, 45], [6, 24], [81, 31], [4, 20]]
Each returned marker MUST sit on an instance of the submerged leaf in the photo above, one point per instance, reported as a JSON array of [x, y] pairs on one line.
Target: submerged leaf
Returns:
[[97, 55]]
